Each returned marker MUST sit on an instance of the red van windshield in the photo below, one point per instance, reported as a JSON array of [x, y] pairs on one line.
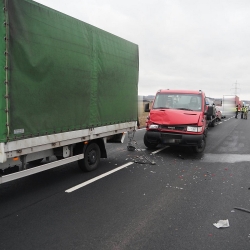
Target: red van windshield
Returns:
[[178, 101]]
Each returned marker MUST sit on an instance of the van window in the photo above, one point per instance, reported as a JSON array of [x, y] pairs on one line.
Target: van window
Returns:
[[178, 101]]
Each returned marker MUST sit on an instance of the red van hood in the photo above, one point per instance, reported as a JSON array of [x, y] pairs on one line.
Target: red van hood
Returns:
[[173, 116]]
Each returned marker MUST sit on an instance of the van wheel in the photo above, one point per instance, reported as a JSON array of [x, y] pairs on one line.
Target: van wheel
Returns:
[[148, 144], [91, 158], [200, 147]]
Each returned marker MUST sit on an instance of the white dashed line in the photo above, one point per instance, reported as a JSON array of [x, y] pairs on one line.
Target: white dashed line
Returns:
[[159, 150], [97, 178]]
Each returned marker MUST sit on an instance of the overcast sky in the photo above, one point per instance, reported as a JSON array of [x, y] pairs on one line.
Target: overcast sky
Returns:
[[183, 44]]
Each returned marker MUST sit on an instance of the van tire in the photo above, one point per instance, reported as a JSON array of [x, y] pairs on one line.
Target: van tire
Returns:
[[148, 144], [200, 147]]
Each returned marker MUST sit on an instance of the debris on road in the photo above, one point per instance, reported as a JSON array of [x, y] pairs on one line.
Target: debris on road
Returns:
[[168, 186], [181, 157], [144, 159], [242, 209], [221, 223]]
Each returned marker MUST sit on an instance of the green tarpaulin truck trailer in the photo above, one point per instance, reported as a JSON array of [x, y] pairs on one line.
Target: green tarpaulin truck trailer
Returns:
[[66, 88]]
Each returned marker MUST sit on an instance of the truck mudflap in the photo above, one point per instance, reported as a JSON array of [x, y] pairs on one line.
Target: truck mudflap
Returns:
[[173, 139]]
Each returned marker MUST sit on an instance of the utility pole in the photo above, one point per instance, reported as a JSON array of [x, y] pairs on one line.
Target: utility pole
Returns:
[[236, 88]]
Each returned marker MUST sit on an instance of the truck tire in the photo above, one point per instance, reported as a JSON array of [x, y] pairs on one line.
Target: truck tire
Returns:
[[148, 144], [91, 158], [213, 122], [201, 147]]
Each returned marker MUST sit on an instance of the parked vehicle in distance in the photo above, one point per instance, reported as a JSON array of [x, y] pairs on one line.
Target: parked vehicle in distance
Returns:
[[178, 117], [219, 113]]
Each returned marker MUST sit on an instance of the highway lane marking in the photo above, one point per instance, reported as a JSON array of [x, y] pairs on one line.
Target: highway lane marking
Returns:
[[159, 150], [226, 158], [230, 117], [140, 129], [97, 178]]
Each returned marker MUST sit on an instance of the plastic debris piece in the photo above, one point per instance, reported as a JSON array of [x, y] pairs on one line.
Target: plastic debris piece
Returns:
[[221, 223], [181, 157], [242, 209]]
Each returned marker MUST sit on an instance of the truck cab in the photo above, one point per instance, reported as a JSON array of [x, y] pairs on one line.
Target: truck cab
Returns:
[[177, 117]]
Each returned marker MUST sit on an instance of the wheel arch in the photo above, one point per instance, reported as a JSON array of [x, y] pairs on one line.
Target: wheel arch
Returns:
[[81, 147]]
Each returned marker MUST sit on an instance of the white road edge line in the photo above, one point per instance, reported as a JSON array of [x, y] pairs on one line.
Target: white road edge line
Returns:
[[97, 178], [159, 150]]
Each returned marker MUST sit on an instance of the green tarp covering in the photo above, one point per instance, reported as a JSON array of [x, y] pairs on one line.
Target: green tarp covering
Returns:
[[64, 74], [3, 115]]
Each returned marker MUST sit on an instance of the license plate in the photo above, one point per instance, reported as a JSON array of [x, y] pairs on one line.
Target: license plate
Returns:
[[171, 141]]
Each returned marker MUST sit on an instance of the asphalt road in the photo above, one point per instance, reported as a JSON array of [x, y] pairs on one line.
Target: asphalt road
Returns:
[[172, 204]]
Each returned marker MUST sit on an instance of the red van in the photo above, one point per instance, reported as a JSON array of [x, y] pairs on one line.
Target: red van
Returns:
[[177, 117]]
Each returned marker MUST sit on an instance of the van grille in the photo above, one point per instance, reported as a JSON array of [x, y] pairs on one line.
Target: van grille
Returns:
[[173, 127]]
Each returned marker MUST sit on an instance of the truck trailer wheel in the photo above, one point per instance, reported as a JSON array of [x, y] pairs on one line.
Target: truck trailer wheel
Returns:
[[148, 144], [201, 147], [91, 158]]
